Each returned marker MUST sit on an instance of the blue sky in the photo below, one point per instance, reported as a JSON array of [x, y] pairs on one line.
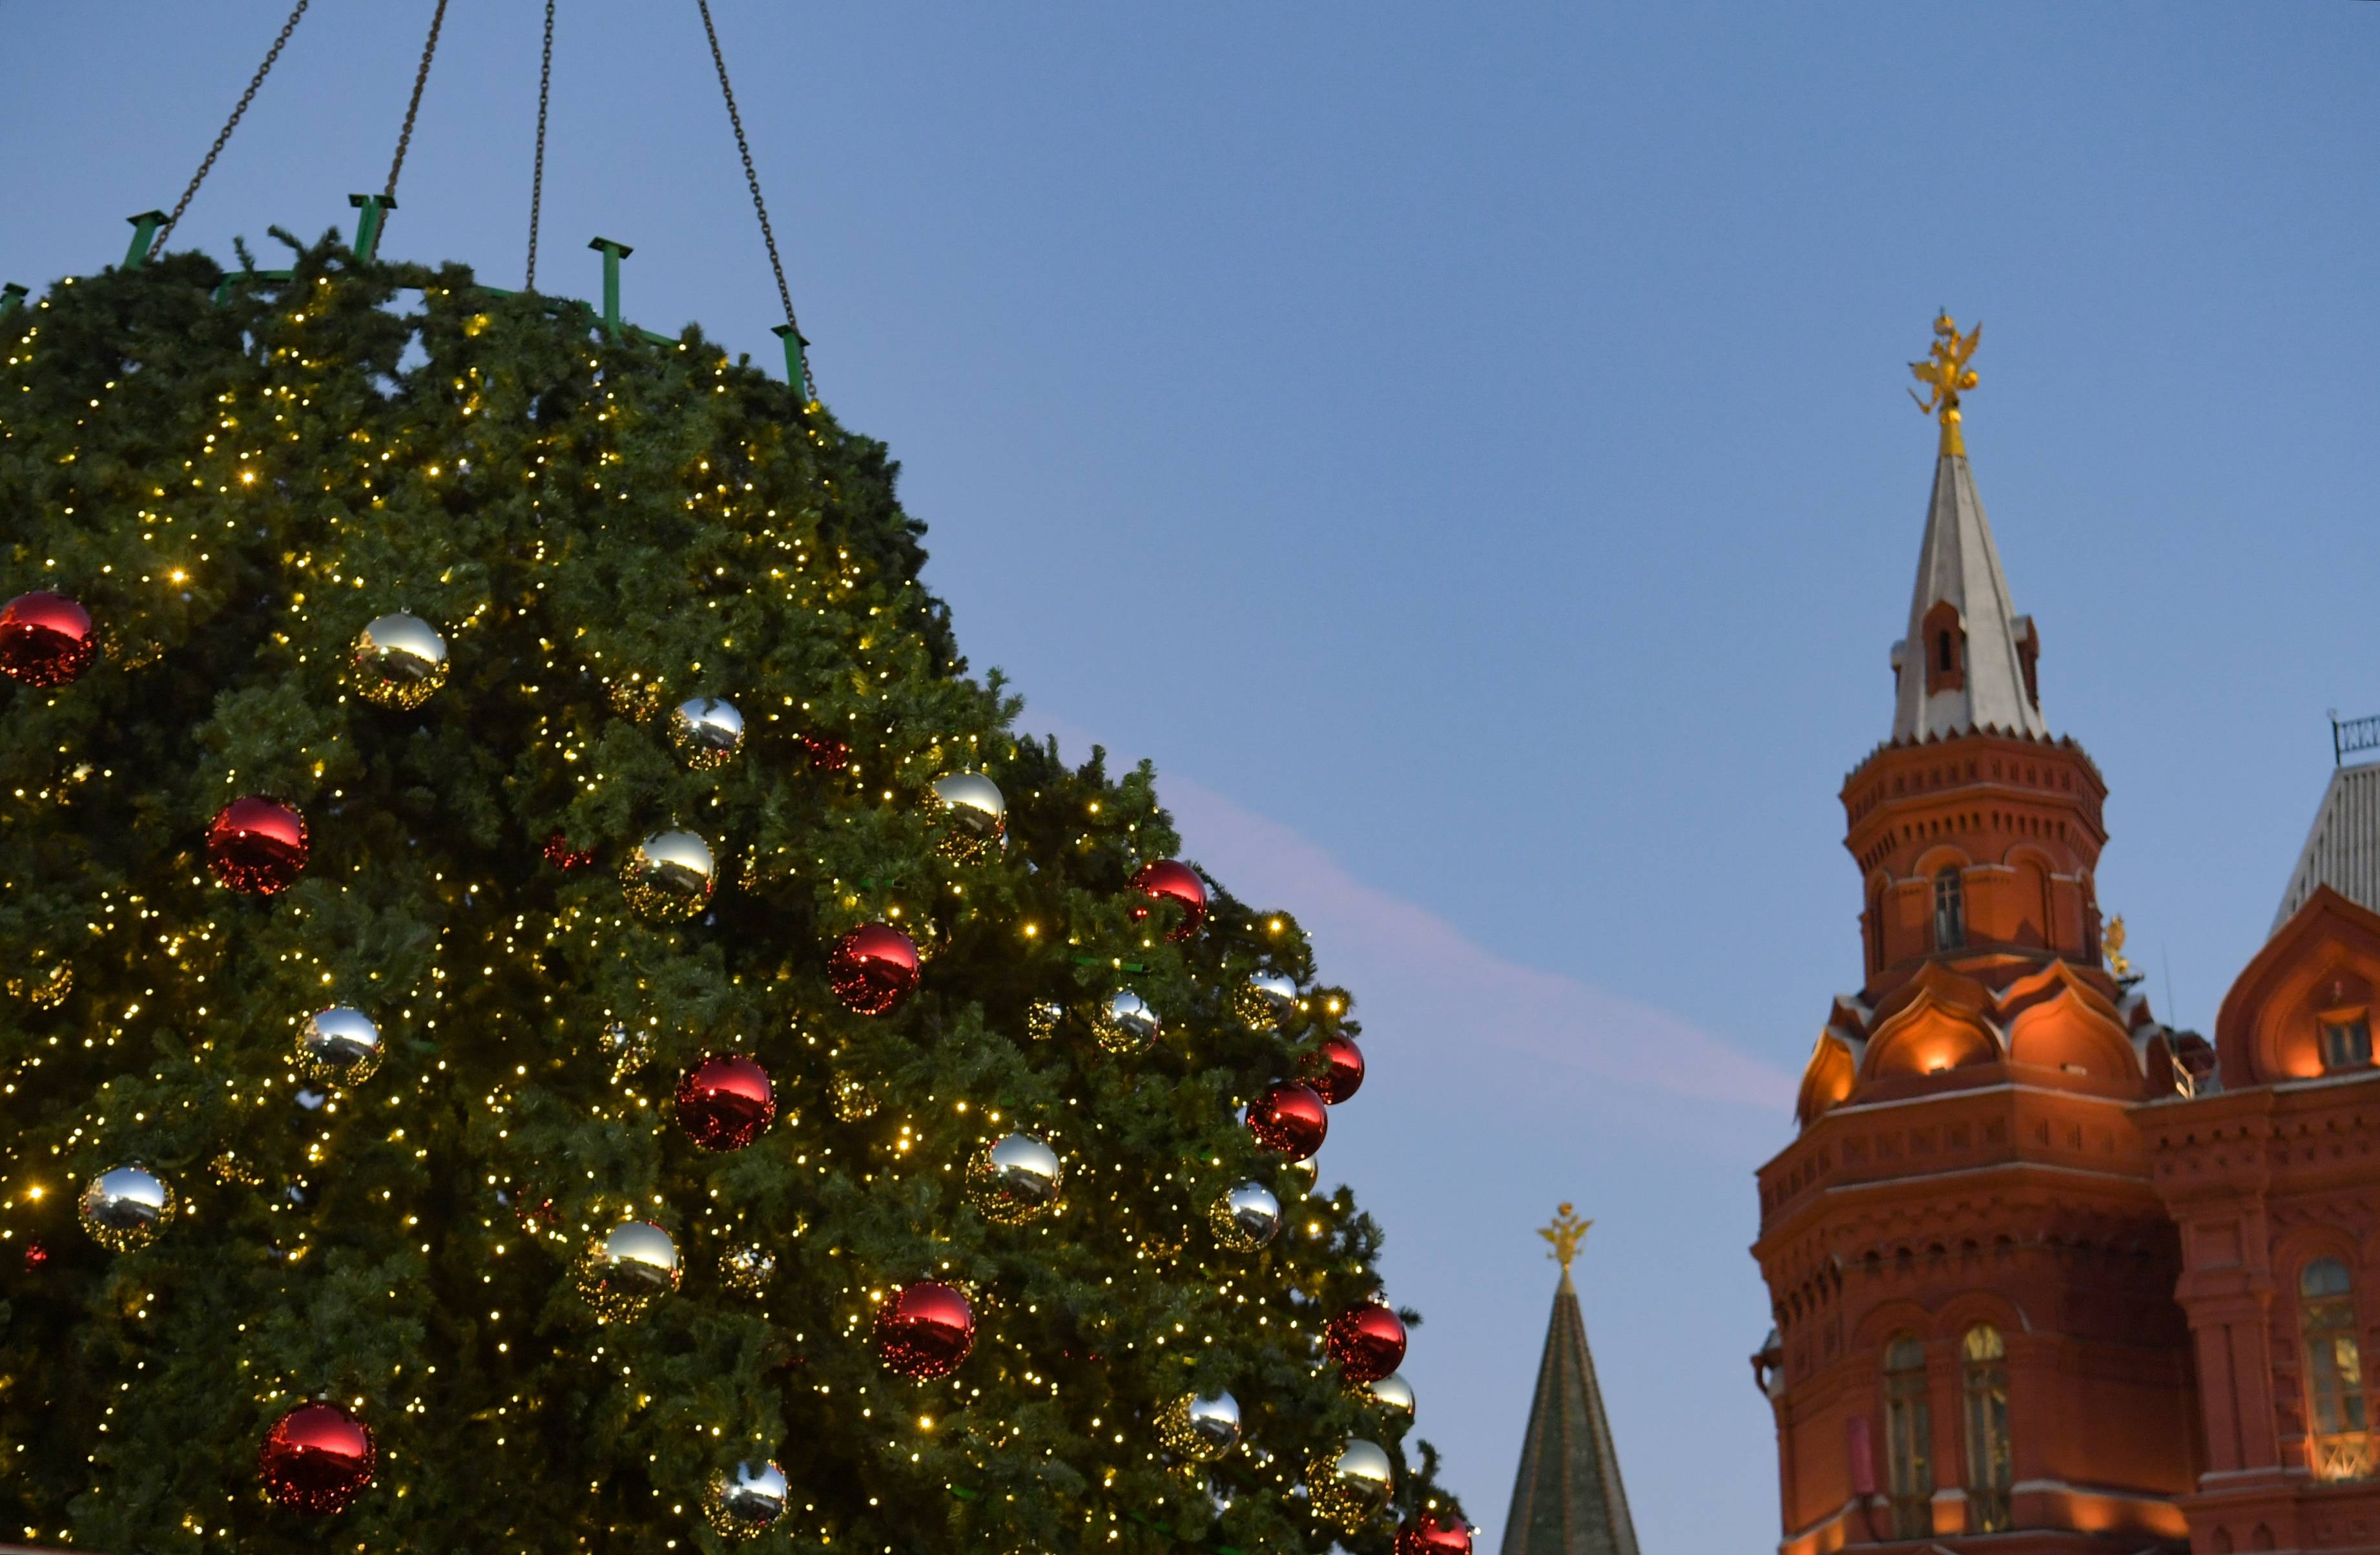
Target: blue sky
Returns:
[[1464, 446]]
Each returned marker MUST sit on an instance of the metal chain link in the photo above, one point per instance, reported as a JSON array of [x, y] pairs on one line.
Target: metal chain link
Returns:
[[420, 80], [744, 148], [222, 139], [537, 180]]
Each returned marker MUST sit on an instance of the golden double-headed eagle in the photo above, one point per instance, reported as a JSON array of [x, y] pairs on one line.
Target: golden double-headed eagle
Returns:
[[1945, 373], [1567, 1231]]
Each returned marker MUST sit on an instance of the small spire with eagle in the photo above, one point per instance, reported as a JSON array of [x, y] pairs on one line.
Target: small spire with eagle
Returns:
[[1567, 1495], [1567, 1231]]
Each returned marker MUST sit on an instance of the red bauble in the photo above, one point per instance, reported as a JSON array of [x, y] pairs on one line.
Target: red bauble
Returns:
[[45, 639], [316, 1458], [1368, 1342], [1290, 1121], [925, 1330], [257, 845], [561, 856], [873, 968], [1425, 1534], [827, 753], [535, 1212], [1170, 880], [1336, 1070], [36, 1254], [724, 1102]]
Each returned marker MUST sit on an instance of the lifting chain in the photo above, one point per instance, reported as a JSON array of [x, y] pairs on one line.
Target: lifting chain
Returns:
[[224, 137]]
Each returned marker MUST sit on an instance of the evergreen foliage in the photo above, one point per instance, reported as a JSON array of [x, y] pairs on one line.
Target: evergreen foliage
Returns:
[[234, 474]]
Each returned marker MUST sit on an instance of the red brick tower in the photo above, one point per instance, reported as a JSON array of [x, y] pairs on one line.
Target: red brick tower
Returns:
[[1978, 1346]]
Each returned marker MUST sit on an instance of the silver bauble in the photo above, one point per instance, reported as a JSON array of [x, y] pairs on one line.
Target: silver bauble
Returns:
[[634, 1265], [706, 731], [669, 876], [1352, 1486], [852, 1100], [746, 1271], [125, 1207], [1245, 1218], [399, 662], [339, 1046], [1202, 1428], [1267, 999], [629, 1048], [1041, 1018], [1393, 1396], [1126, 1024], [973, 814], [1014, 1179], [744, 1501]]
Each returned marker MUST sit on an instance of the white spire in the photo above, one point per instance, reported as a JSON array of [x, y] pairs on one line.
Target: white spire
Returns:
[[1966, 663]]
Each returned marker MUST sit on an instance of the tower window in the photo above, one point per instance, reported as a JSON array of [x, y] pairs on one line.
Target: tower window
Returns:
[[1908, 1434], [2346, 1042], [2338, 1445], [1950, 909], [1989, 1464], [1942, 644]]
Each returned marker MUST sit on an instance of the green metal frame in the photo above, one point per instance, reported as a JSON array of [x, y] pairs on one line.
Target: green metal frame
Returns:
[[375, 209], [372, 220], [144, 233], [797, 367], [613, 251]]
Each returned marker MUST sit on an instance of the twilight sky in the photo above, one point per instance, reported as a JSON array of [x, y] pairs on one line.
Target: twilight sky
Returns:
[[1464, 446]]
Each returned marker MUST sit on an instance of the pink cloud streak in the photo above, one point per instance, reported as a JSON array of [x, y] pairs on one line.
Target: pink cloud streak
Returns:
[[1403, 962]]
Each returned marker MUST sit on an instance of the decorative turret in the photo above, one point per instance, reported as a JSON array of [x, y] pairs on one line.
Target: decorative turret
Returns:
[[1976, 830], [1977, 834], [1968, 663], [1567, 1498], [1976, 1349]]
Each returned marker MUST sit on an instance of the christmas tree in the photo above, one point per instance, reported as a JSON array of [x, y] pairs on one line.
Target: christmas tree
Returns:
[[547, 1009]]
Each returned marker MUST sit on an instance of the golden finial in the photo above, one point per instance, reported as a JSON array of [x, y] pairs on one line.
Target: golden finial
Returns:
[[1567, 1231], [1945, 373], [2111, 939]]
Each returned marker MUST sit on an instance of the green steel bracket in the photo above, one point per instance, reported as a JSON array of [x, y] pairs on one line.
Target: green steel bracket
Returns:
[[375, 209], [797, 366], [224, 286], [612, 252], [144, 233], [12, 297], [559, 306]]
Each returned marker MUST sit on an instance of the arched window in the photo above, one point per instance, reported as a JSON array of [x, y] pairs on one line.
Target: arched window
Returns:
[[1988, 1464], [1908, 1434], [2338, 1441], [1950, 909], [2345, 1041], [1942, 644]]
